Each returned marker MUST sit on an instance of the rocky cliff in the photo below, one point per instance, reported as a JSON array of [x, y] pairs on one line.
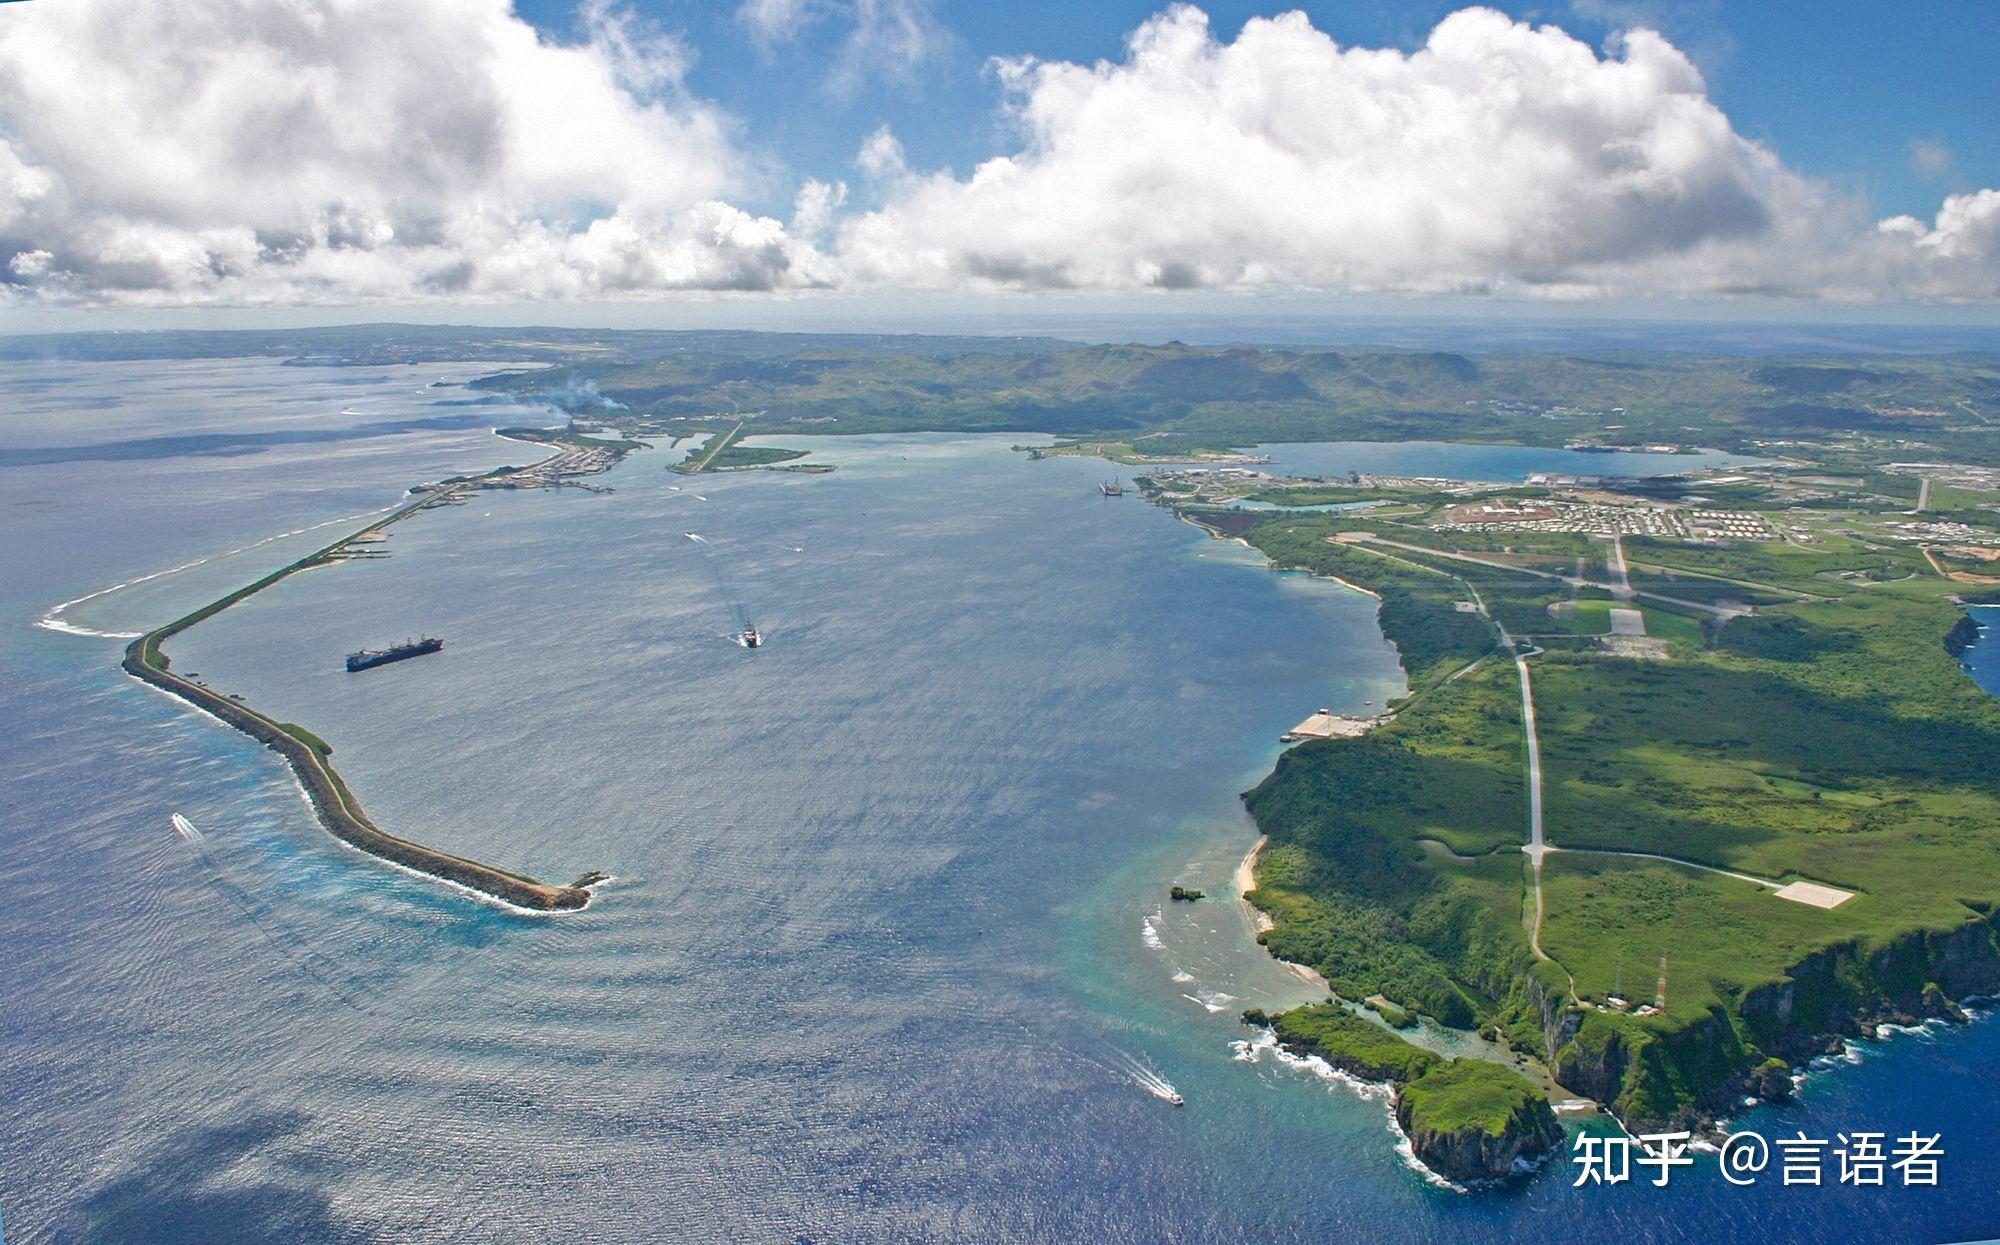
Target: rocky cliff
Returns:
[[1472, 1120], [1653, 1074]]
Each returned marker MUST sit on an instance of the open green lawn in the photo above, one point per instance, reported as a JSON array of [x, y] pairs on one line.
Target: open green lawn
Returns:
[[1586, 616], [1611, 919], [1673, 625], [1811, 569]]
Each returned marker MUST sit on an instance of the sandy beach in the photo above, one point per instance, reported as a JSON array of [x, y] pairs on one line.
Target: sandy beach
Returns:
[[1246, 880]]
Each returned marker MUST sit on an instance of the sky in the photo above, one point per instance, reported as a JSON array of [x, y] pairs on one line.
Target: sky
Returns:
[[281, 158]]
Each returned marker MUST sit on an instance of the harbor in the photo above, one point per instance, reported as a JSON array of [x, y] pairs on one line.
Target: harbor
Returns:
[[333, 803]]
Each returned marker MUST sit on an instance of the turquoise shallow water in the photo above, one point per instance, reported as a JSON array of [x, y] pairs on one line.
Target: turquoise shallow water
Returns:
[[887, 939]]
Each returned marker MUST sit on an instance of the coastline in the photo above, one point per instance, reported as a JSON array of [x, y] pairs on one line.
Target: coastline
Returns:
[[339, 813], [1343, 583], [1245, 881]]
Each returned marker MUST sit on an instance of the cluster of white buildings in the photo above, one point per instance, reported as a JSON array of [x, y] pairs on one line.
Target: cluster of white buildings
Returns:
[[1594, 519], [1957, 533], [1728, 525]]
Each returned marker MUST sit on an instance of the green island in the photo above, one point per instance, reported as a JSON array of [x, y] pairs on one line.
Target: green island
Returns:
[[1688, 785], [310, 757]]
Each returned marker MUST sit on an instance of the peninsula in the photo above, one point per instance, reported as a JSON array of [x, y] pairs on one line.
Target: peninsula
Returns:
[[1672, 802], [722, 453], [309, 756], [1467, 1119]]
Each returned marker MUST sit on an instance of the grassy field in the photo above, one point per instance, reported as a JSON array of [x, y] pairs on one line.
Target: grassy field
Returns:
[[1612, 918]]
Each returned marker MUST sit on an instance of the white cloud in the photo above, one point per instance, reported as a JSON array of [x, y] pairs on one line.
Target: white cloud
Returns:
[[892, 38], [881, 157], [816, 207], [162, 152], [179, 151], [1931, 159], [779, 21], [1497, 157]]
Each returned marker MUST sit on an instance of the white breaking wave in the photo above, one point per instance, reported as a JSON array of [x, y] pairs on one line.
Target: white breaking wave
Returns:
[[1211, 1002], [1266, 1043], [54, 620]]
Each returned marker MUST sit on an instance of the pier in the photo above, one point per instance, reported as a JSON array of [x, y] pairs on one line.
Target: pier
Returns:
[[1326, 724]]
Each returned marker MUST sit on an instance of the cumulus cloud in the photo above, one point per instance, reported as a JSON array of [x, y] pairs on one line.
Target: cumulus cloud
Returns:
[[162, 152], [186, 151], [1497, 157]]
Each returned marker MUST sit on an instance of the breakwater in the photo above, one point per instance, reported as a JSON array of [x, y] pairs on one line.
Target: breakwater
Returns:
[[332, 802]]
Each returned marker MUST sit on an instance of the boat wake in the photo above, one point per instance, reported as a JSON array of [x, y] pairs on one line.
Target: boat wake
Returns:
[[259, 914], [744, 632], [1142, 1074]]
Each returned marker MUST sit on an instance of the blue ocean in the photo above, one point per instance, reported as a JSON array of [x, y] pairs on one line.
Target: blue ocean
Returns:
[[886, 955]]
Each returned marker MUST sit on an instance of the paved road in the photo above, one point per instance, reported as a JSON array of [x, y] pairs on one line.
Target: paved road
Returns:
[[1720, 611], [1615, 560], [1537, 847], [1767, 883], [720, 446]]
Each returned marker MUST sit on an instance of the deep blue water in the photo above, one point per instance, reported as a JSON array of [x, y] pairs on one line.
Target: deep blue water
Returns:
[[886, 937], [1984, 655]]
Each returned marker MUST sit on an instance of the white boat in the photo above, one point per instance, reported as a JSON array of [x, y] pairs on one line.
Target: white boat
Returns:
[[749, 638]]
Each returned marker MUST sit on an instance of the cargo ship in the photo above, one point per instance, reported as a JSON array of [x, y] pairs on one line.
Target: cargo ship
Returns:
[[368, 658]]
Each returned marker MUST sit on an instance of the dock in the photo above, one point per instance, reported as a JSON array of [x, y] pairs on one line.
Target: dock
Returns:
[[1326, 724]]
